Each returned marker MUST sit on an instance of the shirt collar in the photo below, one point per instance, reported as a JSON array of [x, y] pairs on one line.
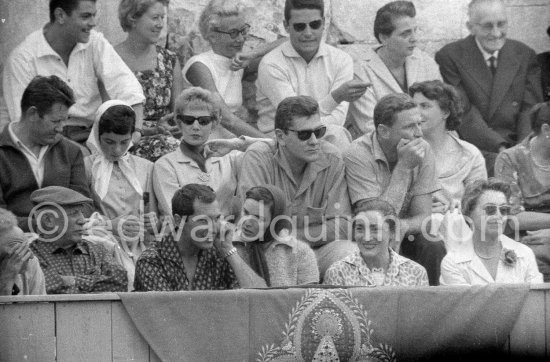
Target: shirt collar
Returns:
[[377, 151], [44, 49], [467, 255], [80, 246], [181, 157], [289, 51], [486, 55], [17, 142]]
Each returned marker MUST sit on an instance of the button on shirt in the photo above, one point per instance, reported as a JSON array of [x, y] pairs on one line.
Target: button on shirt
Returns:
[[160, 268], [88, 63], [36, 162], [284, 73], [92, 266], [368, 173]]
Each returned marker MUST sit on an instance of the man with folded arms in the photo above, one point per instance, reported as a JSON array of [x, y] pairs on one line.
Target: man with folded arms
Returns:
[[310, 171], [395, 164], [70, 264], [69, 47]]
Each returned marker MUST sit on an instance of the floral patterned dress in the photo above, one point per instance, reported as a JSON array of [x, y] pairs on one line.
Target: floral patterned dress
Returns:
[[157, 87]]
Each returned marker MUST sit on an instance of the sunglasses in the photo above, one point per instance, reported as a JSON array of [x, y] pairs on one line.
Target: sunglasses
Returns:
[[189, 120], [491, 210], [315, 24], [306, 134], [234, 33]]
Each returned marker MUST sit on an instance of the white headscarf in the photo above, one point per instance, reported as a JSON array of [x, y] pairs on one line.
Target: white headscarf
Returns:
[[102, 167]]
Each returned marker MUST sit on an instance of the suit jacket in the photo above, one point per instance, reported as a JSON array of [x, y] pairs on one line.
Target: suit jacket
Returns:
[[371, 69], [496, 109], [63, 166]]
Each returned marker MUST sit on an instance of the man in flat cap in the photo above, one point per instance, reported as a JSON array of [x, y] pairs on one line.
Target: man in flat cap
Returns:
[[70, 264]]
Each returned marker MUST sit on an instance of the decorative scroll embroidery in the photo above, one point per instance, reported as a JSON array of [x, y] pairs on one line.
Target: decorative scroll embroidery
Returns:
[[327, 325]]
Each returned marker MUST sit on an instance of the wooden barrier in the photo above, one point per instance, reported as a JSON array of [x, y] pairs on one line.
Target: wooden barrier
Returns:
[[98, 328]]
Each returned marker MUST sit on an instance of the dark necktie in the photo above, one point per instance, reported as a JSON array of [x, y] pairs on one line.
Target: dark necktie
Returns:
[[492, 65]]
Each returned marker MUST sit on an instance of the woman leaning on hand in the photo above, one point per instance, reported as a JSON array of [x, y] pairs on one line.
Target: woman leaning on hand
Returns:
[[492, 257]]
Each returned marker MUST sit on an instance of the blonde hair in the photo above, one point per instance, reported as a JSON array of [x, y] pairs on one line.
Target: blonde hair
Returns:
[[129, 10], [213, 13], [196, 96]]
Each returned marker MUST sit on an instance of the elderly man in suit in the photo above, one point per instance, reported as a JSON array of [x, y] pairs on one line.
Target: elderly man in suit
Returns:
[[499, 80]]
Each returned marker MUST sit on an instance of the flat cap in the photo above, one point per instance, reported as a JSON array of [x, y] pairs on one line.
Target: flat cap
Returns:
[[59, 195]]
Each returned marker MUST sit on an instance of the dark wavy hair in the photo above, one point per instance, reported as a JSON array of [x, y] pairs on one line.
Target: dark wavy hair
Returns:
[[67, 5], [381, 206], [386, 15], [387, 108], [303, 4], [184, 198], [446, 97], [119, 119], [43, 92], [292, 107]]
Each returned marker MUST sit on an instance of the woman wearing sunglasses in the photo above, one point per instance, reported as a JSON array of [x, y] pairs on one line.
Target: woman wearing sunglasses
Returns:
[[222, 69], [156, 68], [492, 257], [197, 114], [392, 66]]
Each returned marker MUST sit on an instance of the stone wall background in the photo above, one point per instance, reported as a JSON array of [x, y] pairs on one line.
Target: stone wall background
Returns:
[[349, 22]]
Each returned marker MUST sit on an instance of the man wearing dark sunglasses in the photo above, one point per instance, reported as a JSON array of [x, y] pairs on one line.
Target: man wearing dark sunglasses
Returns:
[[305, 65], [311, 173], [396, 164]]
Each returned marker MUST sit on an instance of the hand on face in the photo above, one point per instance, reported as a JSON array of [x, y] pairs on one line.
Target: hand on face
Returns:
[[410, 153], [15, 262]]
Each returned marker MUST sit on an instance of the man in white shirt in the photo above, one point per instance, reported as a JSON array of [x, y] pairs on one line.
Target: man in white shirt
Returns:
[[498, 78], [306, 66], [69, 48]]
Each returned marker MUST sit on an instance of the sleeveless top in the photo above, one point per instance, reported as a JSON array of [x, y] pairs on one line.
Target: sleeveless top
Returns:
[[227, 81]]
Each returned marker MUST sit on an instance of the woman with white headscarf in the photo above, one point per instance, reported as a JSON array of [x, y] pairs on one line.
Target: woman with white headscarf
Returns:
[[121, 183]]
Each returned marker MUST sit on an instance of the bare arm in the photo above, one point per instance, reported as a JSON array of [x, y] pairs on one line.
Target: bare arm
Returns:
[[199, 75]]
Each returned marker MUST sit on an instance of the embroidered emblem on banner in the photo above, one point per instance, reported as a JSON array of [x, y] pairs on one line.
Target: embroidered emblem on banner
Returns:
[[327, 325]]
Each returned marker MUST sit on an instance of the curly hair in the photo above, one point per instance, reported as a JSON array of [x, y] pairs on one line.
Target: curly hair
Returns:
[[476, 188], [446, 97], [292, 107], [184, 198], [215, 11], [197, 96], [387, 108]]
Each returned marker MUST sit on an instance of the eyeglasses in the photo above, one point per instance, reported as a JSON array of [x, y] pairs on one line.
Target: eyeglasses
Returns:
[[234, 33], [315, 24], [488, 27], [306, 134], [189, 120], [491, 210]]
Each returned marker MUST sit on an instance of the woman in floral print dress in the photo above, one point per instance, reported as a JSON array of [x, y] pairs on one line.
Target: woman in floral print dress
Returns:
[[158, 71], [375, 264]]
